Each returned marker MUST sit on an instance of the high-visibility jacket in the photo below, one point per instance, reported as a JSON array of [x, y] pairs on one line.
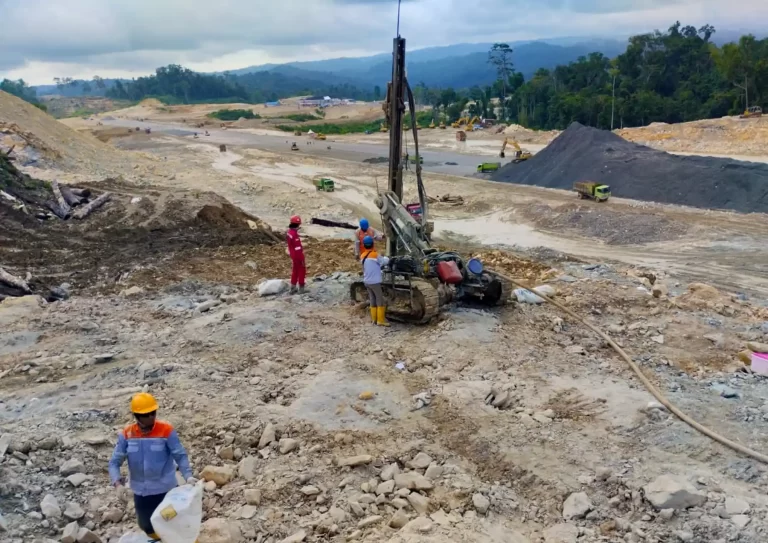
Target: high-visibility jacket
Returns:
[[152, 458], [295, 250], [376, 236]]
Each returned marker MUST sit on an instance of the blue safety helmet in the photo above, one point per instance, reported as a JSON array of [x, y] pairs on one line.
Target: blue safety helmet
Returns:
[[367, 242], [363, 224]]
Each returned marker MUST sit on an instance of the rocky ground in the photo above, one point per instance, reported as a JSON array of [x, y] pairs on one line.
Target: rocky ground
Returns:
[[307, 423]]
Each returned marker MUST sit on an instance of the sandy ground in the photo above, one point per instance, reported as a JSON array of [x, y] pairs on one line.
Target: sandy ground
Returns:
[[272, 390]]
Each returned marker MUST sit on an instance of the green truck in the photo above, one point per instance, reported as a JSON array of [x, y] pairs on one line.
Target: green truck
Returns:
[[486, 167], [592, 190], [324, 184]]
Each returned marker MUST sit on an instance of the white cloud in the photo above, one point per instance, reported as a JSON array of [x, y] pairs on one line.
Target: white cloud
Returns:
[[79, 38]]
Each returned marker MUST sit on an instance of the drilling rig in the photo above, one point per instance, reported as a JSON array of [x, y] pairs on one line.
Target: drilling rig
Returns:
[[419, 279]]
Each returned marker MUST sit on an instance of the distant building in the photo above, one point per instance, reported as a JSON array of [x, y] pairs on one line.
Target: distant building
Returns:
[[322, 101]]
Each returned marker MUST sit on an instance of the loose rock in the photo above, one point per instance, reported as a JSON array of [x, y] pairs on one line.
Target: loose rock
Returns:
[[73, 511], [70, 467], [76, 479], [369, 521], [267, 436], [481, 503], [420, 461], [298, 537], [288, 445], [399, 519], [419, 503], [413, 481], [671, 492], [253, 496], [419, 524], [219, 530], [577, 505], [50, 507], [220, 475], [70, 533], [356, 460], [561, 533]]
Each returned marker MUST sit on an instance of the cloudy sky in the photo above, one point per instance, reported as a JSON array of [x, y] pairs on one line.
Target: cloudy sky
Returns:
[[43, 39]]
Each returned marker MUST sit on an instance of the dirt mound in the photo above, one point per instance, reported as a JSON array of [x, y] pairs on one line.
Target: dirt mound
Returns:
[[635, 171], [42, 140], [137, 229]]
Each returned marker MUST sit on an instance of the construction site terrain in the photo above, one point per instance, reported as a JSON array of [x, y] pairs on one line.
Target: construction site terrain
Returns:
[[308, 423]]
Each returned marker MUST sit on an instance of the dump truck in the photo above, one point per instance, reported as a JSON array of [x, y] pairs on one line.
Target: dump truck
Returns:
[[324, 184], [592, 190], [486, 167]]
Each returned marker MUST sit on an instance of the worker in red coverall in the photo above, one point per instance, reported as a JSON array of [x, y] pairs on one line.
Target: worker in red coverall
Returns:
[[296, 252]]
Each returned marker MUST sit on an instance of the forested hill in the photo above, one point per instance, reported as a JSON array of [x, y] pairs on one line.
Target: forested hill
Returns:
[[673, 76]]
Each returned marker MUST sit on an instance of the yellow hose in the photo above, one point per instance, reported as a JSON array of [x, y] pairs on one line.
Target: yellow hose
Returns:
[[652, 389]]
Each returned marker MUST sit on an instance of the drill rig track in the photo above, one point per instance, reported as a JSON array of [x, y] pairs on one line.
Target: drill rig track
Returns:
[[414, 301]]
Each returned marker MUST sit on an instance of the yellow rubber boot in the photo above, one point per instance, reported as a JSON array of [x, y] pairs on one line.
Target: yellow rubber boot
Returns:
[[153, 537], [374, 314], [381, 318]]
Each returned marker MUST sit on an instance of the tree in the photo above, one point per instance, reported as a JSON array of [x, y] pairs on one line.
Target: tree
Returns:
[[500, 56], [86, 87], [99, 82], [377, 93]]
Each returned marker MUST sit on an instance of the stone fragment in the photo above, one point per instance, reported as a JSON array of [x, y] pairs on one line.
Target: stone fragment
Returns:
[[387, 487], [76, 479], [253, 496], [413, 481], [419, 503], [50, 507], [577, 505], [220, 475], [85, 535], [399, 519], [220, 530], [419, 525], [388, 472], [673, 492], [298, 537], [73, 511], [735, 506], [420, 461], [268, 435], [355, 460], [481, 503], [70, 533], [248, 469], [369, 521], [71, 466], [561, 533]]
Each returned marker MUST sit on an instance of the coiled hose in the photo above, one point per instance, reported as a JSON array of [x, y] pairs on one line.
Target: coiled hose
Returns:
[[648, 385]]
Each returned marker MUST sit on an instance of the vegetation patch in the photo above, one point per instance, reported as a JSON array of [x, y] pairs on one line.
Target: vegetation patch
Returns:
[[233, 114]]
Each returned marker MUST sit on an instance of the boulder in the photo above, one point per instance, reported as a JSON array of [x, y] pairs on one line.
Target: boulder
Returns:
[[735, 506], [399, 519], [71, 466], [298, 537], [413, 481], [267, 436], [70, 533], [50, 507], [84, 535], [353, 461], [288, 445], [481, 503], [419, 503], [220, 530], [673, 492], [73, 511], [248, 468], [220, 475], [577, 505], [253, 496], [420, 461], [561, 533]]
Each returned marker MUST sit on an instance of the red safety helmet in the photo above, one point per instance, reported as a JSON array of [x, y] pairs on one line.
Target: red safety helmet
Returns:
[[295, 219]]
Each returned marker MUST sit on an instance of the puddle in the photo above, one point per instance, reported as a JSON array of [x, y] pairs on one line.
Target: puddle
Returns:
[[493, 230], [15, 342], [330, 401]]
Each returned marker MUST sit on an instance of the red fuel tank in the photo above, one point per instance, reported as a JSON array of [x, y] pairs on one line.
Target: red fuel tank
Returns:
[[449, 272]]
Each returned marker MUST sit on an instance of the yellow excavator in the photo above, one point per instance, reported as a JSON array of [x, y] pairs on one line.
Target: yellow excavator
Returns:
[[442, 126], [471, 123], [520, 155], [752, 113], [461, 122], [432, 124]]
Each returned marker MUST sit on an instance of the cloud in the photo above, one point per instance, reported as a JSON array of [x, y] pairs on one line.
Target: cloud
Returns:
[[41, 39]]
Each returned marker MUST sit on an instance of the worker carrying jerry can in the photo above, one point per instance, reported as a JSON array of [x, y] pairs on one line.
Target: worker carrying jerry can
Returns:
[[372, 264], [296, 252], [365, 230], [153, 450]]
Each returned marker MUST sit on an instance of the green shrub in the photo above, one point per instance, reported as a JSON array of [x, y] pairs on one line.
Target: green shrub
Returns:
[[337, 129], [233, 114], [301, 117]]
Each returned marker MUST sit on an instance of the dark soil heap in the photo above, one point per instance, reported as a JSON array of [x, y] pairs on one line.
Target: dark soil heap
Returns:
[[635, 171]]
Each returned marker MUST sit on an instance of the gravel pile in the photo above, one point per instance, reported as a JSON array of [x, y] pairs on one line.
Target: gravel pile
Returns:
[[634, 171]]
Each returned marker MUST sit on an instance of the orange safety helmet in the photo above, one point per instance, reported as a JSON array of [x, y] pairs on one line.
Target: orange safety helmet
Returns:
[[143, 403], [296, 220]]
